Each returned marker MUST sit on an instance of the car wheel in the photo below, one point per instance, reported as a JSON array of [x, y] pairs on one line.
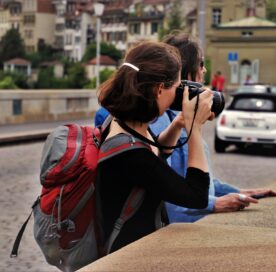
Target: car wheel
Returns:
[[220, 146], [240, 146]]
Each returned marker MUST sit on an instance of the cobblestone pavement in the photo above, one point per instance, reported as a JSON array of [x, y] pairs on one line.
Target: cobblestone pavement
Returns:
[[20, 186], [19, 183]]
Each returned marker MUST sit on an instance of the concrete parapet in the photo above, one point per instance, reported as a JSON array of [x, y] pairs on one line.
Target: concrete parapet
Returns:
[[240, 241], [21, 106]]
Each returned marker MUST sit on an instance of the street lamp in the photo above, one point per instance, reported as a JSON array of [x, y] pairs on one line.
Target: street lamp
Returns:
[[98, 9]]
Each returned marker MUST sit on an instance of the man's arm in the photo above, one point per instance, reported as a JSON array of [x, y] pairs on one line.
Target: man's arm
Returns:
[[179, 214], [222, 189]]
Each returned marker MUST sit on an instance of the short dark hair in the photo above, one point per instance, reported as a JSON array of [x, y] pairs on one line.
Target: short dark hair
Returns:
[[190, 51], [130, 95]]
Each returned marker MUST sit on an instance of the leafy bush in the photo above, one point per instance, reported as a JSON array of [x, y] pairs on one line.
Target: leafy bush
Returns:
[[106, 49], [7, 83], [19, 79], [45, 78], [105, 74], [77, 76], [207, 64]]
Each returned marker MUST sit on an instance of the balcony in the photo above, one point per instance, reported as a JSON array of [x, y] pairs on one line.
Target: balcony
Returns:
[[143, 16]]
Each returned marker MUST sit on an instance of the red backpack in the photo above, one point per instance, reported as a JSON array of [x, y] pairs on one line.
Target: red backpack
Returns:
[[65, 215]]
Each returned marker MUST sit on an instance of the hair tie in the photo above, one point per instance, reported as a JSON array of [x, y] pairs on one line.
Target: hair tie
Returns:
[[131, 66]]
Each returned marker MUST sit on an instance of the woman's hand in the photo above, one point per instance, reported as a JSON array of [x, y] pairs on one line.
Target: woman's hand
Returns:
[[203, 112], [179, 120]]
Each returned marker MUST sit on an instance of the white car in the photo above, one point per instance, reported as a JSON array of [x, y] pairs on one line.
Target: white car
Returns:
[[250, 118]]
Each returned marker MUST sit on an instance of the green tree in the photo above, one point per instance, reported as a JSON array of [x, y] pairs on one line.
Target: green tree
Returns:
[[105, 74], [45, 78], [106, 49], [7, 83], [175, 20], [77, 76], [19, 79], [207, 64], [44, 52], [271, 10], [11, 46]]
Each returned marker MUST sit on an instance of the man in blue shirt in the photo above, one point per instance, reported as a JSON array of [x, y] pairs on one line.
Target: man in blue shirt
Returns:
[[178, 161]]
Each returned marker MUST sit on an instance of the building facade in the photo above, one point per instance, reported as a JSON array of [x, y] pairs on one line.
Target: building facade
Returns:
[[73, 27], [38, 23], [114, 27], [240, 41]]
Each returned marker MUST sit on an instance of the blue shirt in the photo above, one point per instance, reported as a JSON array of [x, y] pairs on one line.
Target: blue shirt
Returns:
[[100, 116], [178, 161]]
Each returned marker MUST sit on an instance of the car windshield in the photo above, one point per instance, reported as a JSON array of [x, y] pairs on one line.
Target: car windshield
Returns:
[[252, 89], [253, 104]]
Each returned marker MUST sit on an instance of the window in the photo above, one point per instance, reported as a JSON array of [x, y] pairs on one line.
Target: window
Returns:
[[29, 19], [68, 39], [59, 27], [135, 28], [17, 107], [247, 34], [28, 34], [29, 49], [59, 41], [154, 28], [254, 104], [216, 16]]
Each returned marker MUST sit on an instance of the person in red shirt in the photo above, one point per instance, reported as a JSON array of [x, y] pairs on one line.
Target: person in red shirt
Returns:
[[214, 82], [220, 82]]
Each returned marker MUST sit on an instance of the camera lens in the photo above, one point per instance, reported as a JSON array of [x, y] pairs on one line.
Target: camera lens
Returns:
[[218, 103], [218, 98]]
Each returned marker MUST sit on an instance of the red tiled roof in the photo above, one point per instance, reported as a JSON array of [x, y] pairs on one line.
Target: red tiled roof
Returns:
[[18, 61], [50, 63], [45, 6], [192, 13], [155, 1], [118, 5], [104, 60]]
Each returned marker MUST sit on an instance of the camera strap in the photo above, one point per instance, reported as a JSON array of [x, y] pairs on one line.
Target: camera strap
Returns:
[[124, 126]]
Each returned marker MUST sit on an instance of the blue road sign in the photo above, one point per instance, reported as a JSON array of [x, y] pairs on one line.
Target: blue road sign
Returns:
[[232, 56]]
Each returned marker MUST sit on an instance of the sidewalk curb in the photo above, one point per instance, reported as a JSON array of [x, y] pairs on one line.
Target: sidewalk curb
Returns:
[[24, 136]]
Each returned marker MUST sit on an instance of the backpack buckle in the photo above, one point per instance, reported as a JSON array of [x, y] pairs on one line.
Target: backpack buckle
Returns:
[[132, 140], [69, 224], [118, 224]]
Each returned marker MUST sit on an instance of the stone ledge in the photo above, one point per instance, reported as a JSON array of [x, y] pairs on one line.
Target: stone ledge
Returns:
[[228, 242], [195, 248]]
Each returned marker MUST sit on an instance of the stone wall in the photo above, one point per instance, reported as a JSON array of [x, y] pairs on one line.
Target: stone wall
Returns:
[[23, 106]]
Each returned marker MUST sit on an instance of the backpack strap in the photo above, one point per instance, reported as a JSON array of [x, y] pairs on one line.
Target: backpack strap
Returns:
[[118, 144], [17, 241], [113, 146], [132, 204]]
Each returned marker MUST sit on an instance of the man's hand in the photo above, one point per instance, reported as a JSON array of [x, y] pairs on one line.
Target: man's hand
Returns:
[[232, 202], [261, 192]]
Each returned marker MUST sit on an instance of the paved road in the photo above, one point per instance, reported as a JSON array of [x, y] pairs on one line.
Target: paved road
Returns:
[[20, 185], [250, 168]]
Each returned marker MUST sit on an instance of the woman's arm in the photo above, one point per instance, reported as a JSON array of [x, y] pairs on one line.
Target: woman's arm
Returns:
[[171, 134], [196, 156]]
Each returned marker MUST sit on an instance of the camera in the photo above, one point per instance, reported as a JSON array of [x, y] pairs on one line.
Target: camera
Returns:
[[194, 89]]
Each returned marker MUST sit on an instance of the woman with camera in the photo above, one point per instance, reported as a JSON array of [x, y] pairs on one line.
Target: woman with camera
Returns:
[[140, 91]]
